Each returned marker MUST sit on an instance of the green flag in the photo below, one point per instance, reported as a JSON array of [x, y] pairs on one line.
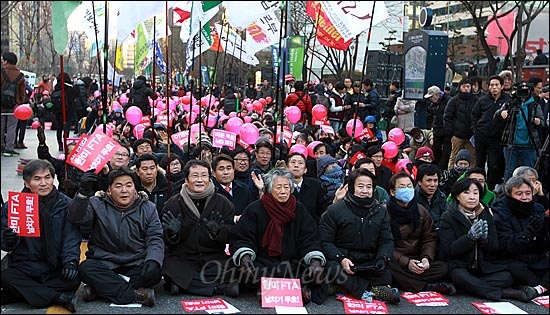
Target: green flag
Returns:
[[61, 10], [142, 49]]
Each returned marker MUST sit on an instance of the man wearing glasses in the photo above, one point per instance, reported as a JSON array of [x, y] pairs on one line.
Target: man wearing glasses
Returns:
[[383, 173]]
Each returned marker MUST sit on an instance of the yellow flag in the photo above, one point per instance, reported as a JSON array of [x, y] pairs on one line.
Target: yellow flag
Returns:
[[118, 59]]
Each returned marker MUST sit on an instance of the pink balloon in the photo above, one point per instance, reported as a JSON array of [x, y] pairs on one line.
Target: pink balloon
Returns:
[[262, 100], [172, 104], [249, 132], [211, 121], [390, 150], [185, 100], [161, 106], [123, 99], [35, 124], [247, 119], [300, 148], [257, 105], [249, 107], [358, 127], [401, 165], [208, 100], [293, 114], [312, 146], [192, 116], [396, 135], [195, 129], [223, 118], [134, 115], [156, 111], [23, 112], [319, 111], [97, 94], [138, 131], [196, 109], [232, 114], [234, 125], [186, 107]]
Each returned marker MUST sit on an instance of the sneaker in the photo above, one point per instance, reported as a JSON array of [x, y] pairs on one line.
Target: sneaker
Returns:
[[67, 300], [386, 293], [145, 296], [88, 293], [20, 146], [10, 153], [442, 287], [530, 292]]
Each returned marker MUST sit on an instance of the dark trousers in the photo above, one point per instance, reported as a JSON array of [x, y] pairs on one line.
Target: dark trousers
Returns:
[[107, 283], [488, 149], [36, 292], [61, 129], [359, 282], [442, 147], [485, 285], [410, 281], [20, 131], [523, 275]]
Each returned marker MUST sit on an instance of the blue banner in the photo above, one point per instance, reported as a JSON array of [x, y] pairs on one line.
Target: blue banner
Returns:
[[160, 60]]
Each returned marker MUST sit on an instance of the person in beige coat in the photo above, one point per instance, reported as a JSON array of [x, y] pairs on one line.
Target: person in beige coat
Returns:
[[404, 113]]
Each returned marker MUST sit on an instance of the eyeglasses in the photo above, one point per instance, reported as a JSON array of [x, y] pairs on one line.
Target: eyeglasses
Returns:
[[122, 154], [242, 161]]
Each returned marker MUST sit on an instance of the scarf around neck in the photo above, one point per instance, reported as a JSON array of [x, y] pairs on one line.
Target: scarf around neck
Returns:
[[188, 197], [400, 216], [471, 214], [280, 214]]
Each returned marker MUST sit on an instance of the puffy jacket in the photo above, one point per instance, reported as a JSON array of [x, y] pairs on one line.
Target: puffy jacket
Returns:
[[483, 123], [12, 71], [138, 96], [437, 111], [457, 117]]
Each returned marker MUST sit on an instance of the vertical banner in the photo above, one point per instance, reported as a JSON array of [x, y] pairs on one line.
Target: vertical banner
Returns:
[[275, 62], [205, 78], [296, 56], [23, 215]]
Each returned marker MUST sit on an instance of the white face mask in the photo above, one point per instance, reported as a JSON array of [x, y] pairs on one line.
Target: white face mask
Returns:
[[420, 140]]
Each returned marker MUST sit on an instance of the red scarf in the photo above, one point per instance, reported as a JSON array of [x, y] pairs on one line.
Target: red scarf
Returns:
[[280, 214]]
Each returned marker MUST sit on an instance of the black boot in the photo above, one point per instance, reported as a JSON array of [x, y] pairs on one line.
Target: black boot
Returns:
[[514, 294], [145, 296], [442, 287], [67, 300], [229, 289]]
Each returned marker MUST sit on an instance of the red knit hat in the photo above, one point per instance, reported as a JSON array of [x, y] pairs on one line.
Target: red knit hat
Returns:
[[424, 151]]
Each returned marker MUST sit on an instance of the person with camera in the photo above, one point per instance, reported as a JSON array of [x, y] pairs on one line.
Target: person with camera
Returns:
[[523, 118], [488, 131]]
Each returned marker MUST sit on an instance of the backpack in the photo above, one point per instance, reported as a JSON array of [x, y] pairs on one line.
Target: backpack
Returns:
[[9, 91], [56, 100]]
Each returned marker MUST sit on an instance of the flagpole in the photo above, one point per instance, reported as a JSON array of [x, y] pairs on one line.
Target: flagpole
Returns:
[[367, 47], [105, 67], [314, 43], [153, 66], [282, 62], [114, 70], [63, 113], [97, 48], [225, 55], [169, 116], [200, 88]]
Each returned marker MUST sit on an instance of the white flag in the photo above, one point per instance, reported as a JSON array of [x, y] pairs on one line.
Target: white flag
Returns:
[[131, 13], [350, 21], [233, 44], [241, 13], [263, 33]]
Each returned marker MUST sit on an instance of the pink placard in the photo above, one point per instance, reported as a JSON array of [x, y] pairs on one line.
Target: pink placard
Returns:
[[23, 215], [181, 138], [328, 129], [213, 304], [355, 306], [222, 138], [281, 292], [426, 298], [93, 151]]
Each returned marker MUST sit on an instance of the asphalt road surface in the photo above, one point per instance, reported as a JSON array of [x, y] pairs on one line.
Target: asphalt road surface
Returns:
[[247, 302]]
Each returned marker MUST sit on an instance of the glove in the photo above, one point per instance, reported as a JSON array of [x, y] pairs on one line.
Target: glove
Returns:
[[475, 231], [247, 266], [380, 264], [315, 270], [484, 230], [150, 274], [214, 225], [89, 183], [171, 223], [534, 226], [70, 270], [41, 136], [10, 239]]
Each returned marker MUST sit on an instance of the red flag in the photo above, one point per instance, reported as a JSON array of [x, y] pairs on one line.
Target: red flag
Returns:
[[327, 35]]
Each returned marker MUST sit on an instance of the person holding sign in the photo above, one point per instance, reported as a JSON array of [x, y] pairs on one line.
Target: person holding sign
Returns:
[[356, 236], [42, 266], [126, 239], [277, 237]]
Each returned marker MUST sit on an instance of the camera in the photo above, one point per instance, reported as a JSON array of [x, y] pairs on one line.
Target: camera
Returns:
[[521, 90]]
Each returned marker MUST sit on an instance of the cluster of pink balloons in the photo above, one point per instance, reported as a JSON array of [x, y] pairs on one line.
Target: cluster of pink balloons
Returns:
[[396, 136]]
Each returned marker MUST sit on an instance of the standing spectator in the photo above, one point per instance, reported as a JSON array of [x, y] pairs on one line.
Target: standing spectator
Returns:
[[541, 58], [372, 97], [21, 129], [9, 122], [441, 138], [277, 236], [414, 266], [523, 236], [266, 90], [472, 69], [197, 224], [507, 84], [404, 111], [357, 103], [469, 244], [337, 107], [457, 120], [357, 239], [80, 105], [251, 92], [488, 131], [449, 74], [63, 124], [302, 100], [139, 96], [42, 270], [136, 253]]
